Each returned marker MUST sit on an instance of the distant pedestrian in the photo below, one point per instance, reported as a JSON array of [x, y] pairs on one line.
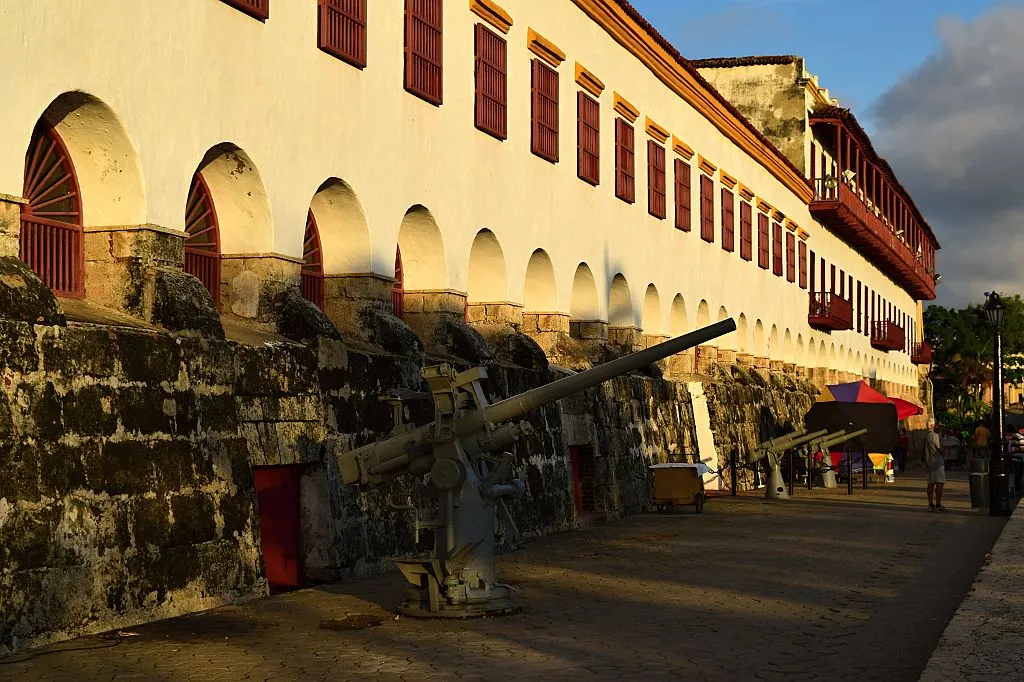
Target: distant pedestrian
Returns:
[[982, 436], [935, 467], [902, 444]]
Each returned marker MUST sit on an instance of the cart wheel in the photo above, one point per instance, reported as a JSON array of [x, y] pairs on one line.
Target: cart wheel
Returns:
[[698, 502], [669, 507]]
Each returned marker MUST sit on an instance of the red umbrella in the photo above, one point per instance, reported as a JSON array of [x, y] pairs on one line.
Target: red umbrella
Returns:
[[905, 409]]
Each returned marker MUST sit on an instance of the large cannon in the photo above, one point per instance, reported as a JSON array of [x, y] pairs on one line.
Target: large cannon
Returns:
[[463, 451], [773, 450]]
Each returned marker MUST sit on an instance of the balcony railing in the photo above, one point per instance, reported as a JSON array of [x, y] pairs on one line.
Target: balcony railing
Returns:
[[922, 354], [829, 311], [887, 336], [845, 211]]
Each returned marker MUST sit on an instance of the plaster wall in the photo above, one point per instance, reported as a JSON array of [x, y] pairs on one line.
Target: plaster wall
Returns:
[[186, 78]]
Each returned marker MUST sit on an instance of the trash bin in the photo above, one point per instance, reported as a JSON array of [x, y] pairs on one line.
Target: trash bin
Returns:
[[1001, 489], [978, 478]]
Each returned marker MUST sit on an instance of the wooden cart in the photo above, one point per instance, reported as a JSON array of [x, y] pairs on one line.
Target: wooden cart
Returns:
[[679, 485]]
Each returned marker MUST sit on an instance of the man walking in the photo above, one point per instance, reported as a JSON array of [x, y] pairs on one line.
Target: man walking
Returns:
[[935, 467], [982, 434]]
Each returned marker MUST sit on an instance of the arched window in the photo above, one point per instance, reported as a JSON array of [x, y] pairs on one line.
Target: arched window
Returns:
[[312, 264], [398, 290], [202, 238], [51, 221]]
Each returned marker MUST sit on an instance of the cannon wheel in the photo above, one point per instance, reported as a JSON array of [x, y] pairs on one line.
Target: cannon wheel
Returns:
[[698, 502]]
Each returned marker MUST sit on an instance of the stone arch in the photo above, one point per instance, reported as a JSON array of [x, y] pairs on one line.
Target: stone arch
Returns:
[[584, 306], [678, 323], [652, 322], [422, 251], [344, 233], [620, 304], [742, 335], [832, 356], [757, 342], [850, 367], [106, 164], [787, 346], [703, 314], [773, 343], [488, 279], [841, 358], [239, 200], [799, 357], [540, 293], [858, 367], [822, 355]]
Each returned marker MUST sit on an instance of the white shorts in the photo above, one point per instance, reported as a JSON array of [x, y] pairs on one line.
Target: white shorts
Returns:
[[937, 475]]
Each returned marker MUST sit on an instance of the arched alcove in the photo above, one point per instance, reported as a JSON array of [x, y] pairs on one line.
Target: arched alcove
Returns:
[[822, 355], [677, 321], [800, 358], [787, 346], [742, 335], [703, 314], [620, 304], [652, 321], [539, 291], [488, 280], [344, 233], [584, 306], [422, 251], [239, 199], [758, 346], [106, 164]]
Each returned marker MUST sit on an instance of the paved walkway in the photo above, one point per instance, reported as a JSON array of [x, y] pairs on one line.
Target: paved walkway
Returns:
[[824, 586], [985, 639]]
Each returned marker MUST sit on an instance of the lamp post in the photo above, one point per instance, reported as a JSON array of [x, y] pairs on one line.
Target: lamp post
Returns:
[[999, 502]]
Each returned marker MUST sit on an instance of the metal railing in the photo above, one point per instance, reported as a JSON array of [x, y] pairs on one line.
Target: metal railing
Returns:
[[205, 266], [54, 252]]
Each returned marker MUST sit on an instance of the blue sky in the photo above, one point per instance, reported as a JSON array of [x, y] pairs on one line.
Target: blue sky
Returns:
[[858, 48]]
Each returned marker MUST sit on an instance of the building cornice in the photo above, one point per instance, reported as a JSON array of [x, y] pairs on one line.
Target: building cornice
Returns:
[[588, 81], [654, 53], [492, 13], [544, 48]]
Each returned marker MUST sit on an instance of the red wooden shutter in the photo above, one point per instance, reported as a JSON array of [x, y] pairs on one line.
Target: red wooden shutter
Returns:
[[777, 249], [398, 286], [790, 257], [813, 262], [202, 237], [707, 208], [544, 111], [424, 49], [312, 276], [588, 138], [51, 222], [258, 9], [683, 196], [491, 85], [625, 162], [728, 221], [860, 309], [762, 241], [746, 238], [803, 265], [656, 180], [341, 30]]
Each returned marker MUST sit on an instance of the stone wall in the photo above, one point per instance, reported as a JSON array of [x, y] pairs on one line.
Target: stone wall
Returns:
[[129, 453]]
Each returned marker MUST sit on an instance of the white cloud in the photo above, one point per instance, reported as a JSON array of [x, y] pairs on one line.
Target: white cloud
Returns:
[[953, 130]]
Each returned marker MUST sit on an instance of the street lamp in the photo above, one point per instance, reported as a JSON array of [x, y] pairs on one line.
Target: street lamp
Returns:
[[999, 498]]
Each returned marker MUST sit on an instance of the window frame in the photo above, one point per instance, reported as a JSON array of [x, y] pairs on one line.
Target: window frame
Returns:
[[343, 10], [707, 208], [728, 220], [763, 241], [544, 85], [257, 9], [657, 195], [490, 75], [625, 161], [416, 48], [777, 262], [588, 138], [682, 181]]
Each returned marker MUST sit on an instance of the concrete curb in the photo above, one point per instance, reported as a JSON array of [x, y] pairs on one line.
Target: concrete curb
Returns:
[[985, 638]]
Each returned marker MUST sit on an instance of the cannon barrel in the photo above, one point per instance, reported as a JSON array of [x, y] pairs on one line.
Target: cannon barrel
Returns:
[[518, 405], [792, 440], [841, 437], [399, 454]]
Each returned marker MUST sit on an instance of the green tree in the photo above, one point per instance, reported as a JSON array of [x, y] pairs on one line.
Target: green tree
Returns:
[[962, 341]]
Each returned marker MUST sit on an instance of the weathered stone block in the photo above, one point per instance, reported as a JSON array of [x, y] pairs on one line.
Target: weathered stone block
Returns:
[[182, 304], [24, 297], [588, 330], [149, 357], [10, 225]]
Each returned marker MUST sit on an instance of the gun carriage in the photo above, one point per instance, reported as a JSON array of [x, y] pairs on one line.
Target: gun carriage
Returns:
[[464, 451]]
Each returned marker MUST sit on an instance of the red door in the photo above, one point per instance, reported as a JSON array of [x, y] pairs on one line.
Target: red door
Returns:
[[277, 492], [577, 477]]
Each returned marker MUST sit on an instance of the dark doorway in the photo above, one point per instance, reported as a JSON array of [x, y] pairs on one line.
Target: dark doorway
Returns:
[[277, 492], [583, 477]]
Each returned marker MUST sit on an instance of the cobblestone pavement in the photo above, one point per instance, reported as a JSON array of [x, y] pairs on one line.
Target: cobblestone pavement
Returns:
[[823, 586]]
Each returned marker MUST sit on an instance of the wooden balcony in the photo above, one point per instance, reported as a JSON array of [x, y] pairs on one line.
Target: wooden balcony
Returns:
[[829, 311], [922, 354], [843, 211], [887, 336]]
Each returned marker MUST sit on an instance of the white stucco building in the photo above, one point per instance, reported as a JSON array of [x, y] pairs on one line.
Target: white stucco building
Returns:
[[537, 163]]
